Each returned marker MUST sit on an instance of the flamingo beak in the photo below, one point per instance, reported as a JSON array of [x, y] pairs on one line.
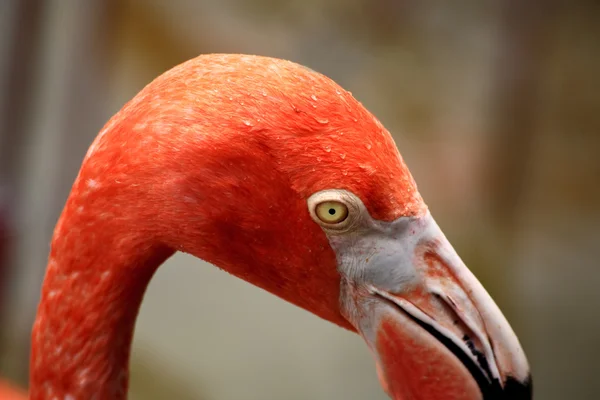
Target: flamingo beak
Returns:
[[434, 330]]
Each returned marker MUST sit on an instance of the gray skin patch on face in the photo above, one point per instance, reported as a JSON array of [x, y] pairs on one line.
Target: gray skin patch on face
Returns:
[[379, 254], [371, 252], [380, 263]]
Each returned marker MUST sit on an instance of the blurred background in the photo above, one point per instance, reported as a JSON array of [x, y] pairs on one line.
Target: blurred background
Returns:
[[495, 106]]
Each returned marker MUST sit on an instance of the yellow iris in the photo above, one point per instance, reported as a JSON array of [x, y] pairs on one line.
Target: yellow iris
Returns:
[[331, 212]]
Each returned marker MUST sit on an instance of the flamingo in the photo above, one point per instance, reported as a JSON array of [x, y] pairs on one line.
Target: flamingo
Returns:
[[274, 173], [8, 392]]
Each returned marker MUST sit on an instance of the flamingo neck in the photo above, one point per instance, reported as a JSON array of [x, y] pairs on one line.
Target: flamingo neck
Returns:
[[95, 280]]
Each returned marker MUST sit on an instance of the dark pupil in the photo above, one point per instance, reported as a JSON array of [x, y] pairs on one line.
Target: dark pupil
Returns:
[[331, 211]]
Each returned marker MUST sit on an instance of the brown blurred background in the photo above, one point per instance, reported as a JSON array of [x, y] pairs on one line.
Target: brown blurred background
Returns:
[[495, 106]]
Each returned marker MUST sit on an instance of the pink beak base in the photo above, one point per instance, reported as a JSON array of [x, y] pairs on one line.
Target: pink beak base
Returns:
[[437, 334], [417, 366]]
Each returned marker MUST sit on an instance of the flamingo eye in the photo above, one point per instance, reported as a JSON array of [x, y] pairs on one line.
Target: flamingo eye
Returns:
[[331, 212]]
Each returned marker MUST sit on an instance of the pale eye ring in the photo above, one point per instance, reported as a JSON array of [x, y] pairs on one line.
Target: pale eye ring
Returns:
[[331, 212]]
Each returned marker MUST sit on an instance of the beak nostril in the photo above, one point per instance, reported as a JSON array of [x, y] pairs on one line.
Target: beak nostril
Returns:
[[433, 327]]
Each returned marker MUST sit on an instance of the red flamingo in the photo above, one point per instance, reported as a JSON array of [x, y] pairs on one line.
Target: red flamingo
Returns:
[[8, 392], [279, 176]]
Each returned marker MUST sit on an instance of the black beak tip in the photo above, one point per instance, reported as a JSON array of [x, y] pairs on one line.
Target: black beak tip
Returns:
[[514, 389]]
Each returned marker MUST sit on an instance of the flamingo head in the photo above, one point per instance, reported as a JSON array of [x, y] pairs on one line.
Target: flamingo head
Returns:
[[276, 174]]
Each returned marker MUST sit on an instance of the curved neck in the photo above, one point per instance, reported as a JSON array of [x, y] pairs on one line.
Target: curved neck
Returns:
[[95, 280]]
